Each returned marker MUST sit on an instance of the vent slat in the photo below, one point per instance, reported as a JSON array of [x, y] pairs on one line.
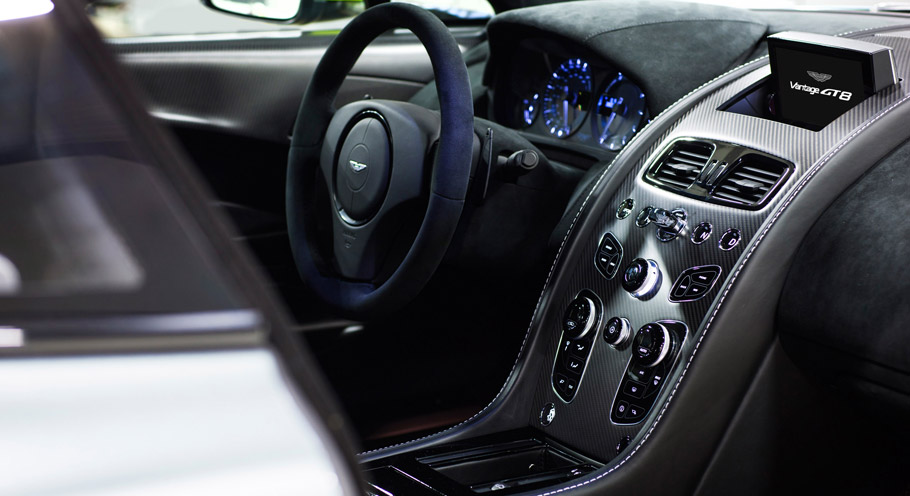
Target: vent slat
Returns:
[[684, 160], [740, 194], [753, 170], [695, 155], [674, 182], [763, 180], [735, 198]]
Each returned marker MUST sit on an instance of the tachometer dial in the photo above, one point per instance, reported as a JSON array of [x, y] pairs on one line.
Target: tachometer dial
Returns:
[[619, 114], [567, 98]]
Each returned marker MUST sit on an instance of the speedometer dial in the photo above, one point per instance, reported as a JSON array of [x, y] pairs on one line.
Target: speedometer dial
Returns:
[[620, 112], [529, 108], [567, 98]]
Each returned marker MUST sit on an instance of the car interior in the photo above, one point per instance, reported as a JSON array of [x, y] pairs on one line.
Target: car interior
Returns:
[[586, 247]]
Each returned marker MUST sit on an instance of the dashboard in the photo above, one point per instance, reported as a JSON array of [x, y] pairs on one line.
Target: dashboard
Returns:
[[564, 93]]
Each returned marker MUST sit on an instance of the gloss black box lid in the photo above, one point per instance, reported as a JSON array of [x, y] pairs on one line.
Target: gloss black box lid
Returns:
[[819, 77]]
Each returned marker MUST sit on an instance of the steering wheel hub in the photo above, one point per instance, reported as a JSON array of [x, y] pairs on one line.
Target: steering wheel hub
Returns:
[[363, 169]]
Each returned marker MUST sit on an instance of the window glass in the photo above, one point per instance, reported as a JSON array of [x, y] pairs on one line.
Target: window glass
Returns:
[[90, 222], [133, 18]]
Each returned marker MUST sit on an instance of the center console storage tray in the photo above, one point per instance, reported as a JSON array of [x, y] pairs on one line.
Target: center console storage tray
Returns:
[[506, 463]]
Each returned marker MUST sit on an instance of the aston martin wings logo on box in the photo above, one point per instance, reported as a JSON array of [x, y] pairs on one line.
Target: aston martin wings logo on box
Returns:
[[357, 166], [818, 76]]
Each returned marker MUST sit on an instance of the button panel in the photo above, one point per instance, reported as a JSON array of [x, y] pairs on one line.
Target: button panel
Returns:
[[641, 384], [608, 256], [575, 348], [694, 283]]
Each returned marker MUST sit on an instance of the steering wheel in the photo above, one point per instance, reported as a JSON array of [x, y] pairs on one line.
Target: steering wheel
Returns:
[[357, 174]]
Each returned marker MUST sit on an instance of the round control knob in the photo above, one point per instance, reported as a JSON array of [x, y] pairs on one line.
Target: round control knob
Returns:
[[652, 344], [617, 331], [642, 278], [579, 317]]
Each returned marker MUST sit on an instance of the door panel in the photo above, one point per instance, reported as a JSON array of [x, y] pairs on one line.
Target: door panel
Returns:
[[253, 88]]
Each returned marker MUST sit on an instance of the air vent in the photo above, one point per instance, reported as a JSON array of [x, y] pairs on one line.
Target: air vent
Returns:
[[750, 181], [680, 166], [719, 172]]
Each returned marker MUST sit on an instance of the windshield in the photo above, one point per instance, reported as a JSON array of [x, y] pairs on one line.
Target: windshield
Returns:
[[131, 18]]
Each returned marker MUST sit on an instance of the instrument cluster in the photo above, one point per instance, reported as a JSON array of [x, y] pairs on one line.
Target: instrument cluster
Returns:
[[574, 99]]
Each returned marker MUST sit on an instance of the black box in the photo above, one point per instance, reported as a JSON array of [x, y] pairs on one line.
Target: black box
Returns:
[[817, 77]]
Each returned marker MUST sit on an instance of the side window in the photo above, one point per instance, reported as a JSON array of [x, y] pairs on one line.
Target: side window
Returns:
[[135, 18]]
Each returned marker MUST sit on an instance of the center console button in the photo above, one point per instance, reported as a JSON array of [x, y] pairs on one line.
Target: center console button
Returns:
[[642, 278], [560, 382], [644, 217], [570, 387], [575, 365], [681, 286], [656, 381], [620, 409], [729, 239], [697, 290], [625, 208], [652, 344], [701, 233], [639, 373], [617, 331], [634, 413], [579, 349], [634, 389]]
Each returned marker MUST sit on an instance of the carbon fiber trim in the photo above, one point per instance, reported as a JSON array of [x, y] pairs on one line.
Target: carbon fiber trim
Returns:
[[585, 423]]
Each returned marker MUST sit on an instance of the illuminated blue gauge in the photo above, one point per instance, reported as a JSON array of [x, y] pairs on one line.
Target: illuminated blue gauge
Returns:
[[567, 98], [619, 114], [530, 107]]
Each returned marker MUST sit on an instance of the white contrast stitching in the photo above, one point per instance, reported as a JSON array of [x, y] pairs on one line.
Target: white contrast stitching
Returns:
[[884, 28], [668, 21]]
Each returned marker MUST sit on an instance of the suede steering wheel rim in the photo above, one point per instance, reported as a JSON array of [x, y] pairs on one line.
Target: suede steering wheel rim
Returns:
[[313, 144]]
